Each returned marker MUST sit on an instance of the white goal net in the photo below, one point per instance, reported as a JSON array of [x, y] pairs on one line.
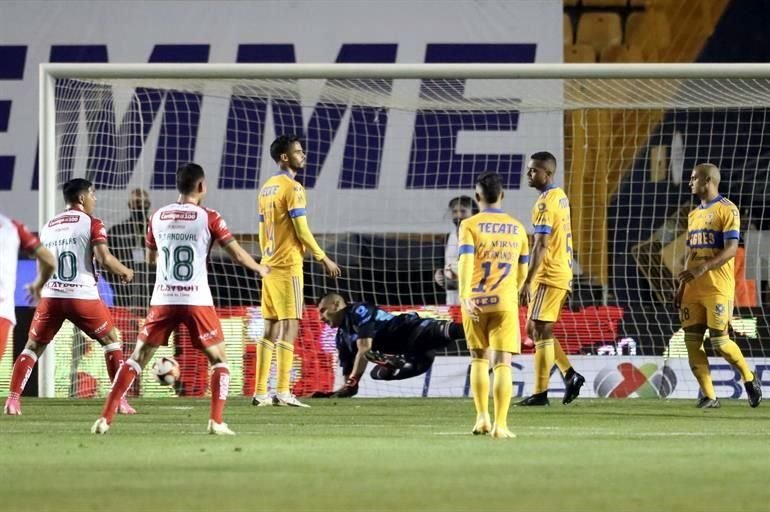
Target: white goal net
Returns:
[[386, 155]]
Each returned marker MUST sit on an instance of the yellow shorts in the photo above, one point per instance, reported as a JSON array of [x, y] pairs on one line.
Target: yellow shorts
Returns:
[[282, 294], [546, 302], [714, 312], [498, 330]]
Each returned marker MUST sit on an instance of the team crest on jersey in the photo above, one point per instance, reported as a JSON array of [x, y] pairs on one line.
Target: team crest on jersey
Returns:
[[720, 309], [709, 218], [541, 207], [177, 215], [64, 219]]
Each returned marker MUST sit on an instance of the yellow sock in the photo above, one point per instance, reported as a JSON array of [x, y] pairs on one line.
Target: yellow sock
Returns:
[[285, 355], [502, 391], [265, 349], [562, 361], [544, 356], [733, 355], [699, 363], [480, 385]]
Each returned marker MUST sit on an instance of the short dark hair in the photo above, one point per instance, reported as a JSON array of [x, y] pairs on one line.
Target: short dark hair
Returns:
[[187, 177], [281, 145], [464, 202], [73, 188], [544, 156], [491, 185]]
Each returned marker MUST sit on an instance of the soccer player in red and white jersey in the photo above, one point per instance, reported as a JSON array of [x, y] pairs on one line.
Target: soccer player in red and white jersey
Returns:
[[14, 236], [75, 238], [178, 241]]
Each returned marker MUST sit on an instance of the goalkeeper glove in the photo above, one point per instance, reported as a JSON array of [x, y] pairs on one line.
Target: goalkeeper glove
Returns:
[[349, 389]]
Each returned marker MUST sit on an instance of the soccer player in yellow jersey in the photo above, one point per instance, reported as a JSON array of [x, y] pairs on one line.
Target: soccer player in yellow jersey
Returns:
[[283, 237], [549, 280], [493, 256], [707, 285]]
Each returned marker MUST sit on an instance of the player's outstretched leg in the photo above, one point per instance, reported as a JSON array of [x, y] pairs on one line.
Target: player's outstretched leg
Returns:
[[480, 389], [113, 359], [544, 358], [733, 355], [127, 373], [22, 369], [573, 381], [754, 390]]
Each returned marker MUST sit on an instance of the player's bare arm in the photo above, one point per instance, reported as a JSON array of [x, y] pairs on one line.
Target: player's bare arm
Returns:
[[350, 388], [112, 264], [719, 259], [46, 265], [151, 256], [240, 256], [364, 345], [681, 286], [536, 256], [308, 240]]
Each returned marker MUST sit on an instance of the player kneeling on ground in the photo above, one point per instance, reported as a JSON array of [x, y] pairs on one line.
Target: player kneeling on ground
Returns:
[[402, 346], [178, 239]]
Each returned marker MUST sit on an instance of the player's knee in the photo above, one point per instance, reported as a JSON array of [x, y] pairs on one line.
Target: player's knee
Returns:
[[34, 346], [531, 329], [216, 354], [110, 337], [143, 353], [500, 357], [714, 333], [479, 353], [288, 330]]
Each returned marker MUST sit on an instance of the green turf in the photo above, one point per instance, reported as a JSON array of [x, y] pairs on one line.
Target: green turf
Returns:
[[408, 454]]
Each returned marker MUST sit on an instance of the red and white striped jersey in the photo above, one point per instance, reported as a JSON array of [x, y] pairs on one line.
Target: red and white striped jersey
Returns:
[[13, 236], [70, 236], [182, 233]]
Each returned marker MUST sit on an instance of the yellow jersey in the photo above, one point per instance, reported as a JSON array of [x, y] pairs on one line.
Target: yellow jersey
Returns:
[[709, 226], [551, 216], [493, 253], [281, 199]]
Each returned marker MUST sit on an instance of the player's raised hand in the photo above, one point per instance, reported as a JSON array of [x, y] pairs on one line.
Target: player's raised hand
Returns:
[[331, 268], [524, 295], [471, 308]]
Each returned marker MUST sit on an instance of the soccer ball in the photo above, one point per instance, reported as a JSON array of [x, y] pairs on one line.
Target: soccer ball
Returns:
[[166, 371]]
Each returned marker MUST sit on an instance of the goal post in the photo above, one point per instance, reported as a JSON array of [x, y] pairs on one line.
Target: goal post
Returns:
[[388, 146]]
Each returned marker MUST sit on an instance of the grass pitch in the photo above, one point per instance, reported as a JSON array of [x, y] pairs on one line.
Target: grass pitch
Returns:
[[387, 455]]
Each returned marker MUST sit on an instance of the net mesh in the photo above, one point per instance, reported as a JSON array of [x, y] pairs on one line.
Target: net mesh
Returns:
[[384, 159]]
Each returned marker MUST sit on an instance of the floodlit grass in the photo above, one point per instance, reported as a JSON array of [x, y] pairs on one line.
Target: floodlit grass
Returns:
[[387, 455]]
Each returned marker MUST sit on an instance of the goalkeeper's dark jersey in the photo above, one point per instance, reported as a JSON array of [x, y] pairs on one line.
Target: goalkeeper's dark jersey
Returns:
[[391, 334]]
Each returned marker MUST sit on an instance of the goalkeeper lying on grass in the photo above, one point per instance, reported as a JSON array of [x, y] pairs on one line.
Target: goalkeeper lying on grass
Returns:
[[401, 346]]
